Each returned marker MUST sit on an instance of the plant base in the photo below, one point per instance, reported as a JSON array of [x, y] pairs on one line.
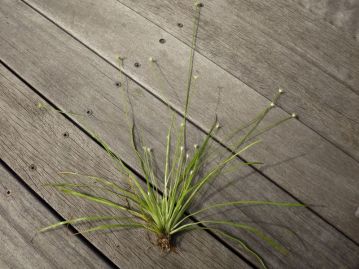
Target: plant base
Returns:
[[164, 242]]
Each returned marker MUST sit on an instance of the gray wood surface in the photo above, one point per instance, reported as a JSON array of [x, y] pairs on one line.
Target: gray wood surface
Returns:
[[35, 137], [76, 80], [343, 14], [21, 216], [267, 44], [296, 158]]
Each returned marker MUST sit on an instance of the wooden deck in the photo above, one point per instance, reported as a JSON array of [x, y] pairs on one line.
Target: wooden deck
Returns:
[[63, 55]]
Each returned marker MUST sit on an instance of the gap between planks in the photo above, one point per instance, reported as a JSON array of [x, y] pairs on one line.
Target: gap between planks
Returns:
[[326, 232], [274, 173], [40, 249], [124, 248], [310, 120], [136, 172], [89, 80]]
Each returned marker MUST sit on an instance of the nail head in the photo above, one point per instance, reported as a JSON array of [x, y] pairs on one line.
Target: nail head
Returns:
[[137, 65], [162, 40], [33, 167]]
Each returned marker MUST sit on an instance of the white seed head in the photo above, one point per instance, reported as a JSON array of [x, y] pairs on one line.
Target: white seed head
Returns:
[[149, 149], [152, 60], [195, 76], [280, 90], [187, 155], [182, 124], [191, 172], [294, 115], [218, 126], [198, 4], [272, 104], [181, 148], [39, 105], [195, 146]]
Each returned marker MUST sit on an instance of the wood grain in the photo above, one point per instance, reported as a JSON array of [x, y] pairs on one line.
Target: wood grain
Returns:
[[73, 67], [343, 14], [21, 216], [35, 137], [308, 37], [267, 44], [296, 158]]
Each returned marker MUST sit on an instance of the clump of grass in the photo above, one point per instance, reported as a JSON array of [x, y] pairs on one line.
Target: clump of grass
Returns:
[[160, 202]]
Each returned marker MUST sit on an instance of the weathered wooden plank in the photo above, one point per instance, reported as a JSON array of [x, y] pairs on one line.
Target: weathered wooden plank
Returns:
[[301, 32], [31, 136], [71, 67], [343, 14], [296, 158], [229, 38], [22, 214]]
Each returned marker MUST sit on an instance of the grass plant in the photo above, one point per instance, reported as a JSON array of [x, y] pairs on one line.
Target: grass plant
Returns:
[[161, 202]]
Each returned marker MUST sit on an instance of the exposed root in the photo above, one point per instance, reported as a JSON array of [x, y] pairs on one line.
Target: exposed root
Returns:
[[164, 242]]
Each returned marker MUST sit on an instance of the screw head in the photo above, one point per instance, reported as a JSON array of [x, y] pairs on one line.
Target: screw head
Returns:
[[32, 167], [162, 40], [180, 25], [137, 65]]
